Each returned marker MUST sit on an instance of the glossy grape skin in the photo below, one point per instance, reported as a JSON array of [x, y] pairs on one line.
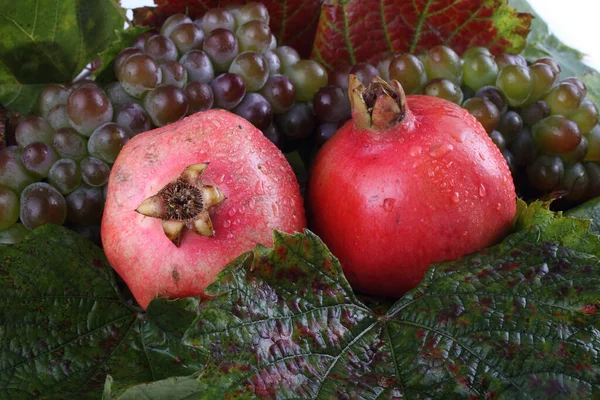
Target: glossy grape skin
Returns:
[[563, 99], [331, 104], [556, 135], [593, 138], [476, 50], [85, 205], [585, 116], [37, 158], [523, 148], [505, 59], [578, 83], [94, 171], [307, 76], [215, 18], [576, 155], [543, 81], [409, 71], [173, 73], [339, 76], [479, 70], [33, 129], [495, 96], [298, 122], [365, 72], [166, 104], [42, 204], [161, 49], [138, 74], [117, 95], [256, 109], [69, 144], [200, 97], [575, 181], [52, 95], [221, 46], [198, 66], [12, 172], [279, 92], [324, 132], [445, 89], [254, 36], [88, 108], [552, 63], [124, 55], [186, 37], [228, 90], [546, 172], [9, 207], [140, 40], [498, 140], [65, 175], [288, 56], [592, 170], [107, 141], [252, 11], [273, 63], [535, 112], [58, 118], [133, 118], [252, 68], [443, 62], [484, 111], [510, 125], [516, 83], [172, 22], [383, 65]]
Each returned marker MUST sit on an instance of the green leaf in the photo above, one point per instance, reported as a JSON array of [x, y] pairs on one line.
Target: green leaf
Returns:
[[517, 320], [50, 42], [589, 210], [66, 325]]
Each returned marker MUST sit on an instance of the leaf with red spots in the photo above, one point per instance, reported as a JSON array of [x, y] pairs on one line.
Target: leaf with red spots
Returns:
[[65, 324], [293, 22], [352, 31], [510, 321]]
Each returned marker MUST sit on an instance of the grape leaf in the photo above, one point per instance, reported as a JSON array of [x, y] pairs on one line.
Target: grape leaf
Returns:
[[351, 31], [50, 42], [589, 210], [517, 320], [65, 325], [293, 22]]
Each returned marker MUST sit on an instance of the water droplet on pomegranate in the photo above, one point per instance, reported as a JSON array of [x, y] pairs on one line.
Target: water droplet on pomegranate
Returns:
[[388, 204], [430, 173], [226, 223], [441, 151], [275, 208], [455, 197], [260, 188], [219, 180], [415, 151], [232, 212], [459, 136], [229, 235], [482, 156], [252, 204], [498, 207], [237, 221], [465, 233], [482, 190]]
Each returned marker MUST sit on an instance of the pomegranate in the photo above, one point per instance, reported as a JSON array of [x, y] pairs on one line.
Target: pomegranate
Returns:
[[185, 199], [409, 181]]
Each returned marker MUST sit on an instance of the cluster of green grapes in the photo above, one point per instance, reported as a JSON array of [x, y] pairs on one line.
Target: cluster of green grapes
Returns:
[[58, 169], [546, 128]]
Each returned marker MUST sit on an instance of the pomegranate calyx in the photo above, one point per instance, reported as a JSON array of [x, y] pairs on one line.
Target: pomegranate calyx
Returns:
[[184, 203], [380, 106]]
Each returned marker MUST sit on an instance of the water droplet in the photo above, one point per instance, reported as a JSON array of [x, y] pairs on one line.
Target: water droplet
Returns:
[[232, 212], [252, 204], [482, 156], [388, 204], [455, 197], [226, 223], [275, 208], [260, 188], [229, 235], [482, 190], [237, 221], [415, 151], [219, 180], [441, 151], [465, 233], [498, 207], [459, 136], [430, 173]]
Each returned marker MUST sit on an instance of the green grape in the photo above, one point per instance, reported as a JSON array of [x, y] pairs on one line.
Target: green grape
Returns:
[[12, 172], [273, 63], [88, 108], [510, 125], [215, 18], [476, 50], [479, 70], [553, 64], [516, 83], [484, 111], [543, 80], [85, 205], [51, 96], [161, 49], [33, 129], [173, 22], [563, 99], [107, 141], [535, 112], [593, 139], [585, 116], [445, 89], [187, 37], [443, 62], [575, 181], [65, 175], [9, 208], [165, 104], [579, 83], [505, 59], [254, 36], [14, 234], [253, 11], [288, 57], [173, 73], [307, 76], [546, 172], [58, 118], [69, 144], [94, 172], [556, 135], [252, 68], [37, 158], [576, 155], [117, 95], [138, 74], [42, 204]]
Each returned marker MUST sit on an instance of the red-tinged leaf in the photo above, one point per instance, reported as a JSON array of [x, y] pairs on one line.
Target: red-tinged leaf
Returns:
[[363, 30], [293, 22]]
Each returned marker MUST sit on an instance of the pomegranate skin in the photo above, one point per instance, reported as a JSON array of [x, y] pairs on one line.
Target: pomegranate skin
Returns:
[[262, 194], [388, 203]]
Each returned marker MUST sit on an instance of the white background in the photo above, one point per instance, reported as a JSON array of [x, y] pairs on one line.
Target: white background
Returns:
[[575, 22]]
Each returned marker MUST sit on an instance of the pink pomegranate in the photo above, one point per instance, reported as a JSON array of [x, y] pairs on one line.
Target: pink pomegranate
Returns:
[[186, 199]]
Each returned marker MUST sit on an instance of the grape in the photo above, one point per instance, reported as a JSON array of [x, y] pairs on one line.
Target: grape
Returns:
[[298, 122], [124, 55], [485, 111], [51, 96], [228, 90], [543, 80], [198, 66], [117, 95], [85, 205], [546, 172], [200, 97], [575, 181], [556, 134], [273, 63], [9, 208], [173, 22], [133, 118], [173, 73], [69, 144], [535, 112], [331, 104], [592, 170], [33, 129], [365, 72], [37, 158], [160, 48], [288, 57], [593, 138], [12, 172], [510, 161], [252, 11], [324, 132], [279, 92], [563, 99], [140, 40], [495, 96], [409, 71], [187, 37], [216, 18], [498, 140], [307, 76], [273, 133], [252, 68], [576, 155], [510, 125], [107, 141], [585, 116], [505, 59], [339, 76], [58, 118], [273, 44], [383, 66], [254, 36], [166, 104], [523, 148], [88, 108], [445, 89], [94, 172], [479, 70], [579, 83], [476, 50], [255, 109], [138, 74], [551, 63], [516, 83], [221, 46], [42, 204], [65, 175], [443, 62], [14, 234]]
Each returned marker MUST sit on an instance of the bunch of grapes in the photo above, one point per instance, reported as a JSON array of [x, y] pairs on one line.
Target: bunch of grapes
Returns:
[[228, 58], [546, 128]]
